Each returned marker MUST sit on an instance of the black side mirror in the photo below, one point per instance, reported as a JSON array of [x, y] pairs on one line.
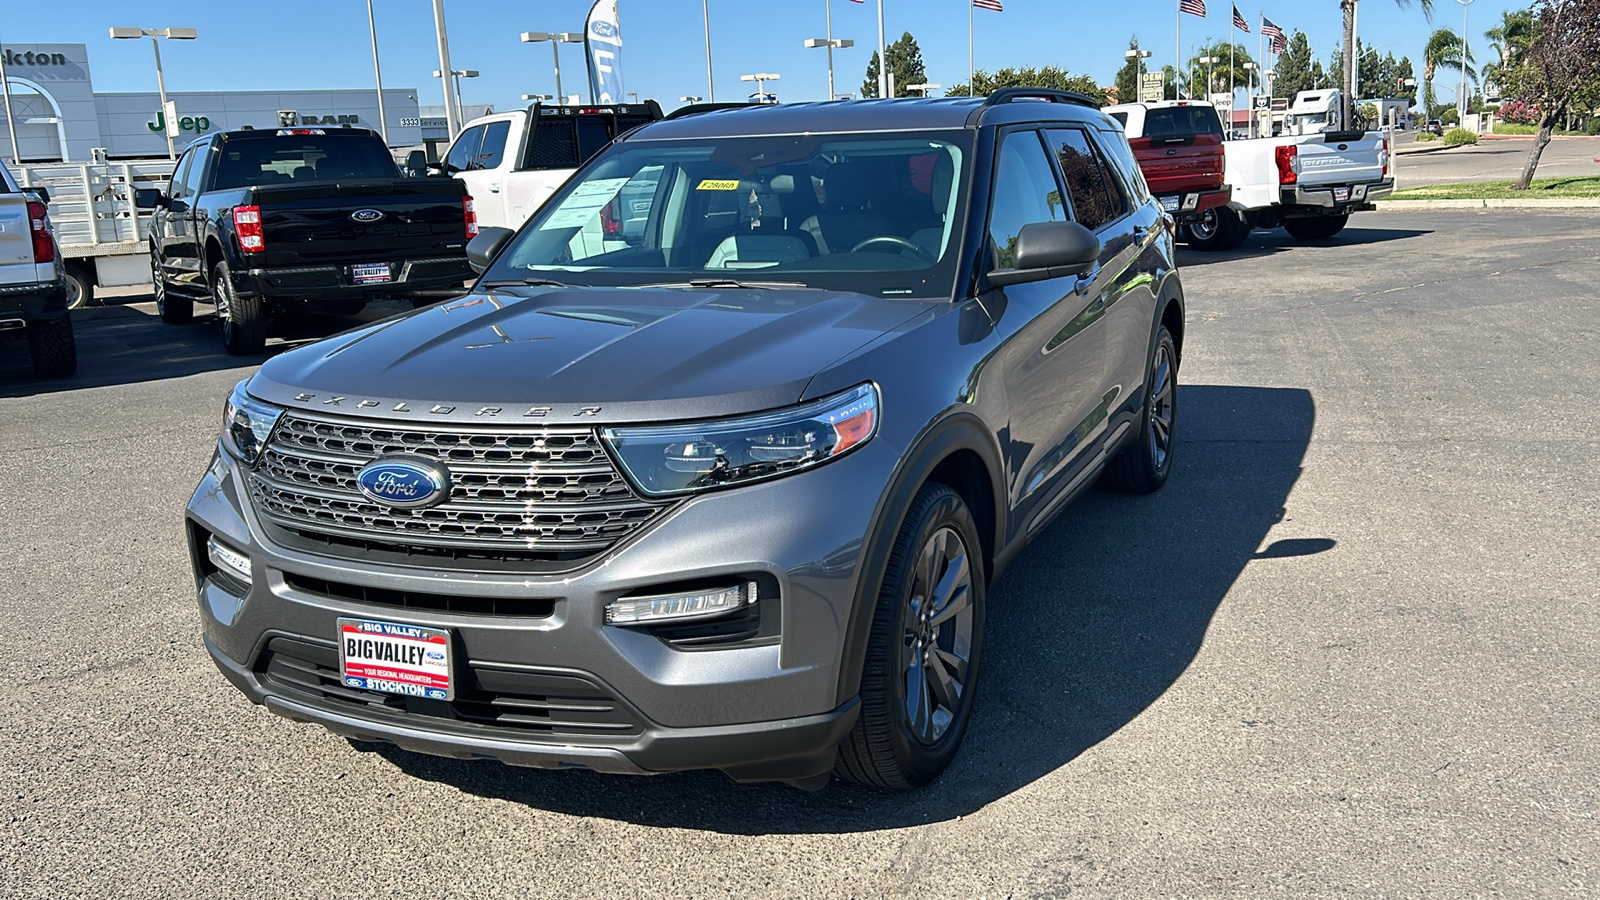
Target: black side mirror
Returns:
[[482, 249], [1049, 250], [147, 198], [417, 163], [43, 194]]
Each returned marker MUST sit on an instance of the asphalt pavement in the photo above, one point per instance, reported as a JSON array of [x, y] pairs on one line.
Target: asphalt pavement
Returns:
[[1351, 649]]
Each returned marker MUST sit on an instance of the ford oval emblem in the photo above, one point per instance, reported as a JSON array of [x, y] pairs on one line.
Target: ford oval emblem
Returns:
[[603, 29], [404, 483], [1344, 146], [367, 215]]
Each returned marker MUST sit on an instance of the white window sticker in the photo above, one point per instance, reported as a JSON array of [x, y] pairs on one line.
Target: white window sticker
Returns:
[[583, 203]]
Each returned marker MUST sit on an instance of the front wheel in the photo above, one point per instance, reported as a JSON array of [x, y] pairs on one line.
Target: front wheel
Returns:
[[172, 310], [243, 320], [922, 655], [80, 287], [1318, 229], [1143, 467]]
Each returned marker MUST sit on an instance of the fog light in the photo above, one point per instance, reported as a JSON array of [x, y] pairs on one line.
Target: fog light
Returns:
[[228, 560], [679, 607]]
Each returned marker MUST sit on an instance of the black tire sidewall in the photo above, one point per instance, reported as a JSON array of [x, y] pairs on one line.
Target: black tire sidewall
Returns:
[[1153, 474], [242, 325]]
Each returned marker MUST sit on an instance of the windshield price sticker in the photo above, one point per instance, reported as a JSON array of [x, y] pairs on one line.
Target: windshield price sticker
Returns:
[[714, 184], [395, 658], [583, 203]]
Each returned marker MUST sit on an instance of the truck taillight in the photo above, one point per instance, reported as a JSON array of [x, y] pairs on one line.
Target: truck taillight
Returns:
[[1288, 169], [44, 246], [1383, 155], [247, 225], [469, 216]]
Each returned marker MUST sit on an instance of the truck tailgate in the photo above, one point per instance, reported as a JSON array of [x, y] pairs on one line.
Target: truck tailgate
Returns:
[[361, 220], [1173, 166], [1329, 160]]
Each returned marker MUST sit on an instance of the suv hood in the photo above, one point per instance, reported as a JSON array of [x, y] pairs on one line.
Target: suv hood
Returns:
[[638, 354]]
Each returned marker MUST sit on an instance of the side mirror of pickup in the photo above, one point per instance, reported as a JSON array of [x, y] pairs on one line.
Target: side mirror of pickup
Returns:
[[42, 193], [1049, 250], [148, 198], [417, 164], [482, 249]]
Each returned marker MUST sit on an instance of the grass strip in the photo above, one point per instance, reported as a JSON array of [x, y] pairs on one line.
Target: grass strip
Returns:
[[1543, 189]]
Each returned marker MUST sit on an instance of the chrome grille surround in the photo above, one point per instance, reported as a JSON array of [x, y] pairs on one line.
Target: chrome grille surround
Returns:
[[530, 489]]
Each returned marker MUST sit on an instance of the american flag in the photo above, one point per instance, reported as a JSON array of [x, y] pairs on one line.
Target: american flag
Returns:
[[1269, 30], [1239, 22], [1193, 7], [990, 5]]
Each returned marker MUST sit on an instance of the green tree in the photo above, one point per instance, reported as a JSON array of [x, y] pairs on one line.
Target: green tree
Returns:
[[1175, 85], [984, 83], [1348, 56], [905, 67], [1444, 49], [1294, 67], [1508, 40], [1217, 73], [1128, 76]]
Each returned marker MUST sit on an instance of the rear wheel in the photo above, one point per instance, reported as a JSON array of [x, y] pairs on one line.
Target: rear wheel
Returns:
[[51, 345], [1143, 467], [1219, 228], [80, 287], [922, 656], [172, 310], [243, 320], [1318, 229]]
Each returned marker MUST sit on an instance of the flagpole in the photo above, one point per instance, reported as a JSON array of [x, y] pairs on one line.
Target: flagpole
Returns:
[[1177, 49], [971, 91], [883, 59], [1261, 55]]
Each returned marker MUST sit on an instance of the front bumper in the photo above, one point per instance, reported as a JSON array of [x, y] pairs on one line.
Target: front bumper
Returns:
[[433, 276], [764, 709], [1336, 198]]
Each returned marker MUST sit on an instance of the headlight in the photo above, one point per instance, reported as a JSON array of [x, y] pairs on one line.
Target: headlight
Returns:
[[246, 424], [679, 459]]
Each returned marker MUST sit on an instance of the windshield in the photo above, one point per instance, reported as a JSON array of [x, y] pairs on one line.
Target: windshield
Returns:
[[875, 214]]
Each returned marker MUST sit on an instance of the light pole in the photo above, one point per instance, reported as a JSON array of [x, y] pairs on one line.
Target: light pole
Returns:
[[690, 99], [452, 111], [1138, 73], [555, 38], [926, 89], [711, 83], [171, 34], [538, 98], [1462, 99], [1208, 62], [456, 77], [377, 73], [830, 43], [761, 79], [1250, 91]]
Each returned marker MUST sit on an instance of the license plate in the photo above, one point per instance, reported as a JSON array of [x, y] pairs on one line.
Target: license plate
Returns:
[[395, 658], [1171, 204], [369, 273], [1341, 193]]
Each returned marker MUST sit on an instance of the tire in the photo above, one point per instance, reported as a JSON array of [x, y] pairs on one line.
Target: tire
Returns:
[[936, 552], [242, 320], [172, 310], [1217, 229], [54, 352], [1143, 467], [80, 287], [1318, 229]]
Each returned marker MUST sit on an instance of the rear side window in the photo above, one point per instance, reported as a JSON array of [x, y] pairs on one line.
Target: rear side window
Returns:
[[1116, 146], [494, 145], [1121, 117], [251, 162], [197, 170], [464, 153], [1025, 192], [1181, 121], [175, 188], [1096, 195]]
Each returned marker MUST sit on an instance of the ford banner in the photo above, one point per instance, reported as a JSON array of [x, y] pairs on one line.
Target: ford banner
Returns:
[[603, 40]]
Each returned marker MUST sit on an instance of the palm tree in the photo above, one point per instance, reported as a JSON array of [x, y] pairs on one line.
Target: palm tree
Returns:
[[1444, 48], [1349, 7], [1512, 35]]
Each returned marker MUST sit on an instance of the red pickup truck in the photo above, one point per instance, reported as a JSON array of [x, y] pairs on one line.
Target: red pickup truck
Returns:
[[1179, 147]]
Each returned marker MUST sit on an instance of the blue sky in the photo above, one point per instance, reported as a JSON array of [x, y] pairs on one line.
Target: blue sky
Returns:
[[323, 44]]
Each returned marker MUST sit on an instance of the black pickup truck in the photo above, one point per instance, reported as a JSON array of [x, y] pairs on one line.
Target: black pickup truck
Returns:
[[265, 222]]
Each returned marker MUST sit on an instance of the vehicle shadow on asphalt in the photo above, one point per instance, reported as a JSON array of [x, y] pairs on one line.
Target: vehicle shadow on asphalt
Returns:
[[1272, 241], [123, 342], [1087, 629]]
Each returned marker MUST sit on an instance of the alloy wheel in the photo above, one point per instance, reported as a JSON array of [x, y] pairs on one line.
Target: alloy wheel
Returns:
[[1162, 407], [938, 635], [1205, 227]]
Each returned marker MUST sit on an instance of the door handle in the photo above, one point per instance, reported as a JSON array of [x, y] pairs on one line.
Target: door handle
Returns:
[[494, 188]]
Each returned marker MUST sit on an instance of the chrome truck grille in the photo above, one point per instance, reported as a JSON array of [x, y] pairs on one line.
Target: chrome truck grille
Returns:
[[528, 490]]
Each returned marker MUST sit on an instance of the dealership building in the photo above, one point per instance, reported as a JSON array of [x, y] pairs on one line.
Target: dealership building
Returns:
[[58, 115]]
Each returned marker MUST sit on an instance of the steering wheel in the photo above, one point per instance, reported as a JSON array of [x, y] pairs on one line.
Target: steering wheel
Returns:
[[900, 243]]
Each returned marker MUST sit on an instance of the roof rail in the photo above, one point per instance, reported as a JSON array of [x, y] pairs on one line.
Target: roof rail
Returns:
[[1009, 94], [694, 109]]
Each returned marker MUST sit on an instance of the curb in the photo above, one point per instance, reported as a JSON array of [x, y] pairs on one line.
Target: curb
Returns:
[[1488, 203]]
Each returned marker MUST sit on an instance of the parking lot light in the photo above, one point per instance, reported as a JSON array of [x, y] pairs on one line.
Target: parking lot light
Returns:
[[926, 89], [761, 79], [555, 38], [171, 34]]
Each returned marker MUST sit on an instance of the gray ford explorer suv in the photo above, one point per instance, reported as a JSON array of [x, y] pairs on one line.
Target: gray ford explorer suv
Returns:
[[716, 463]]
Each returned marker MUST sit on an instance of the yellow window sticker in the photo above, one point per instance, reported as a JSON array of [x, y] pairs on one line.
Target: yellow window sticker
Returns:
[[712, 184]]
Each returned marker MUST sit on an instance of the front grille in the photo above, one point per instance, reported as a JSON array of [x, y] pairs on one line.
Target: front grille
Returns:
[[544, 490], [528, 703]]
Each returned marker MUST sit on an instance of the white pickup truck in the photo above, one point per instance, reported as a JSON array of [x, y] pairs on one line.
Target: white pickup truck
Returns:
[[512, 162], [1308, 184]]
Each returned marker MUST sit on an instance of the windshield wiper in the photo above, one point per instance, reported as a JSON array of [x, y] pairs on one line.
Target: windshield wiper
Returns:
[[530, 282], [734, 283]]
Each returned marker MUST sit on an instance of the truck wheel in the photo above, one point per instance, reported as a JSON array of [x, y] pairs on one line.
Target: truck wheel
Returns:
[[80, 287], [172, 310], [1318, 229], [54, 352], [1143, 467], [922, 655], [1217, 229], [243, 320]]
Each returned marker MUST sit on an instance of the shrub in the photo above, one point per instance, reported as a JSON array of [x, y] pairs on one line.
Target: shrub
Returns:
[[1514, 128], [1594, 125], [1455, 137], [1426, 137]]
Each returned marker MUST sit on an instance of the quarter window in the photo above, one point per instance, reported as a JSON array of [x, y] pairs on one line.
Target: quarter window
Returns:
[[1097, 197], [494, 145], [175, 189], [1025, 192], [197, 170]]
